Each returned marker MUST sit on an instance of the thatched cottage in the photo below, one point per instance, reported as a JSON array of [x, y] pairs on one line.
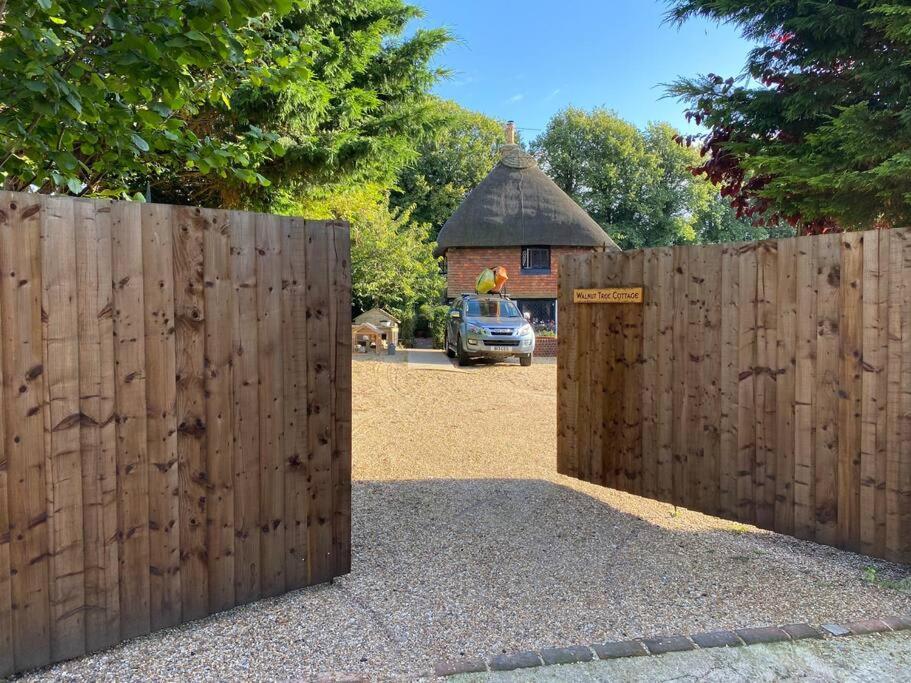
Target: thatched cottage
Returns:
[[517, 217]]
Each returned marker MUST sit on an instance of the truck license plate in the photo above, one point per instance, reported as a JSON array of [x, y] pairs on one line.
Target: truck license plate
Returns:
[[502, 348]]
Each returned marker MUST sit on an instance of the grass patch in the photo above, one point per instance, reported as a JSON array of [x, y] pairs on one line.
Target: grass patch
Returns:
[[871, 576]]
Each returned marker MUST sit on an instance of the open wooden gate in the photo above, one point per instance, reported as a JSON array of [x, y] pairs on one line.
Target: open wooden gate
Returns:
[[767, 382]]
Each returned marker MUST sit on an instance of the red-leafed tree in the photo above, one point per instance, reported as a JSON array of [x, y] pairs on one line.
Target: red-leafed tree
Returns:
[[817, 130]]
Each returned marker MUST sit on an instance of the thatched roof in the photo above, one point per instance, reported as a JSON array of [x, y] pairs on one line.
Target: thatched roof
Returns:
[[517, 204]]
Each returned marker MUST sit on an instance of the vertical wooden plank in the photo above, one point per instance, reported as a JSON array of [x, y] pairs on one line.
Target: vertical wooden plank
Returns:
[[597, 370], [710, 491], [190, 410], [567, 353], [767, 372], [23, 392], [746, 394], [271, 402], [894, 421], [584, 313], [786, 365], [850, 390], [664, 294], [695, 393], [7, 664], [650, 385], [904, 482], [729, 380], [294, 350], [680, 366], [805, 392], [219, 302], [340, 326], [605, 352], [828, 272], [632, 320], [245, 354], [97, 435], [130, 407], [161, 430], [872, 524], [64, 468], [319, 407]]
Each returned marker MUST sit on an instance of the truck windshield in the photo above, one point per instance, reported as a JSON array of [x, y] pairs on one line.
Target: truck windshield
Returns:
[[492, 308]]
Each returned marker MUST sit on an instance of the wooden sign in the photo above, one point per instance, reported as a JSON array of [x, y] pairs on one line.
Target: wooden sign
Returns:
[[620, 295]]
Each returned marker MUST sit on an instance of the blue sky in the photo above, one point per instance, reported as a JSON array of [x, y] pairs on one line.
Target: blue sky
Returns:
[[525, 60]]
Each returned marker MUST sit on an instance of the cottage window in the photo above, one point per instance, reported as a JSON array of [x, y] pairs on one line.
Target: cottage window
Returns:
[[535, 259]]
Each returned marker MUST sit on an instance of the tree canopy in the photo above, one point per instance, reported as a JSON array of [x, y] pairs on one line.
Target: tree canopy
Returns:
[[819, 129], [638, 185], [96, 92], [458, 151], [208, 101]]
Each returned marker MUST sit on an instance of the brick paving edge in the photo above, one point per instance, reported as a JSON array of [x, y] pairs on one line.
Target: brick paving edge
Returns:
[[639, 647]]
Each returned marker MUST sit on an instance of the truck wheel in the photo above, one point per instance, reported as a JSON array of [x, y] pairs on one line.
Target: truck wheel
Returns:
[[463, 357], [525, 361]]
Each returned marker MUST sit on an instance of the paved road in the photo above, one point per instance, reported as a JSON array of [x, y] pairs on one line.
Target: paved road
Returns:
[[881, 658]]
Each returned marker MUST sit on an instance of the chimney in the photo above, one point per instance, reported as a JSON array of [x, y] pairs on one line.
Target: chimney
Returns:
[[510, 132]]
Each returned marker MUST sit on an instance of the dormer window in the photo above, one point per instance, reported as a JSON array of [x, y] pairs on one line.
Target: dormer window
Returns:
[[535, 260]]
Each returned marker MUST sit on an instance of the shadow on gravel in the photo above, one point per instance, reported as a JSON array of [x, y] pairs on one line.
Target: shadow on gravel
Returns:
[[515, 563]]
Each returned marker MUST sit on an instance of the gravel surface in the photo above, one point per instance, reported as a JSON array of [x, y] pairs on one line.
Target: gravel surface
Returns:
[[467, 542]]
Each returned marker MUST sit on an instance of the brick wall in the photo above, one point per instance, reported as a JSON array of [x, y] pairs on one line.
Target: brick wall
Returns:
[[465, 264], [546, 347]]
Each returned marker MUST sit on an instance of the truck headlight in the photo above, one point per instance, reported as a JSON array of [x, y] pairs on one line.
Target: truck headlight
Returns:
[[525, 330], [476, 329]]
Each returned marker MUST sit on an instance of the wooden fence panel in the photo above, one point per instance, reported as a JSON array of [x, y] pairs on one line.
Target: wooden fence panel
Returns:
[[175, 418], [766, 382]]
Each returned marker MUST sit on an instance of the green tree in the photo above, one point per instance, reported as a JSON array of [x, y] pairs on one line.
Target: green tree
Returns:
[[820, 132], [210, 101], [457, 152], [718, 222], [351, 117], [638, 185], [95, 92], [603, 163], [392, 263]]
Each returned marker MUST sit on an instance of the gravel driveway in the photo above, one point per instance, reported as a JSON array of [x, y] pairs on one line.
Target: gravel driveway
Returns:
[[466, 542]]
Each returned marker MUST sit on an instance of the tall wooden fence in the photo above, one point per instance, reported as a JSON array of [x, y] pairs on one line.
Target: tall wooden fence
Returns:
[[175, 422], [765, 382]]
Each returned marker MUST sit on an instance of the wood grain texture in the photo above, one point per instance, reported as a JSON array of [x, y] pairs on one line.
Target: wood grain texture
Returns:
[[768, 382], [786, 364], [143, 409], [319, 404], [62, 419], [294, 362], [340, 315], [23, 395], [98, 430], [161, 407], [245, 416], [271, 401], [219, 387], [828, 285], [130, 407], [805, 393], [190, 410], [7, 663]]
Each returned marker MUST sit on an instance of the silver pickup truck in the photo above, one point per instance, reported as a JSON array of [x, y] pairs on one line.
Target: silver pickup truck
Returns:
[[488, 326]]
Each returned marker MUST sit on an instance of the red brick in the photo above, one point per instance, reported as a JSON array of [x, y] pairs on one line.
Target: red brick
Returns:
[[465, 264]]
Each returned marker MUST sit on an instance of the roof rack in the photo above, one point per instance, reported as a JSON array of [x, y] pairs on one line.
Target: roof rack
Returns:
[[502, 295]]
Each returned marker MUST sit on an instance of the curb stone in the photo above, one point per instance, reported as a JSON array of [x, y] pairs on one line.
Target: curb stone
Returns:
[[640, 647]]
